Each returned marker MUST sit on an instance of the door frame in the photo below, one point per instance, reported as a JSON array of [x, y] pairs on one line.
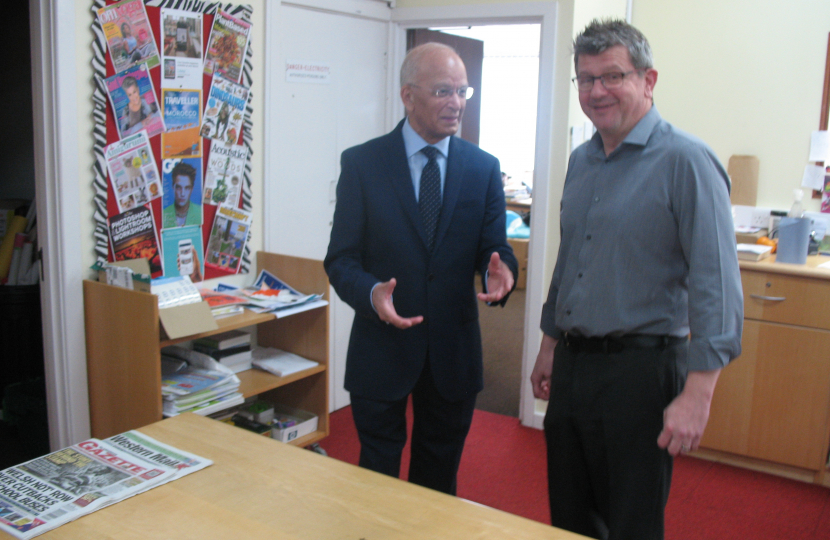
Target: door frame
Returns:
[[556, 20], [57, 150]]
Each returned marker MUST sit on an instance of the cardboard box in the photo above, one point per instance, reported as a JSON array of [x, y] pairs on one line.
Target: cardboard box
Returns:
[[305, 423], [177, 321], [519, 246]]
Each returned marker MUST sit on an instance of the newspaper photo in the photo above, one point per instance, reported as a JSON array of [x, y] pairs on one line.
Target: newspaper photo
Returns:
[[227, 46], [133, 172], [46, 492], [225, 170], [129, 35], [224, 111], [181, 50], [227, 239], [134, 102], [133, 236]]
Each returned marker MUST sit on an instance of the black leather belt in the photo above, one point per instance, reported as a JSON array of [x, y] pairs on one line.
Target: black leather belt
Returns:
[[618, 344]]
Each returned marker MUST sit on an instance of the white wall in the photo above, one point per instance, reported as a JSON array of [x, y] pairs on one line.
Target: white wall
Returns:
[[746, 77]]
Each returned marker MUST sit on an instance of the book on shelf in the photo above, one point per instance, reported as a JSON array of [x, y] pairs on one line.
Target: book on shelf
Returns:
[[225, 340], [753, 252], [203, 385], [279, 362], [226, 311], [217, 353]]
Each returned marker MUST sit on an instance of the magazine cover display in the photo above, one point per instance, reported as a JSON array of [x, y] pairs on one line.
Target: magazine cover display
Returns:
[[226, 242], [224, 110], [182, 248], [133, 173], [223, 177], [227, 46], [182, 118], [46, 492], [129, 36], [134, 102], [181, 50], [133, 236], [181, 204]]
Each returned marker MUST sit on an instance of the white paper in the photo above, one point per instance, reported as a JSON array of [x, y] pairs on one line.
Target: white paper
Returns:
[[820, 146], [813, 177]]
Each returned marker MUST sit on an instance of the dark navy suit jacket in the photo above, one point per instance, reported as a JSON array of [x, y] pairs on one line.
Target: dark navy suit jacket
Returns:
[[377, 234]]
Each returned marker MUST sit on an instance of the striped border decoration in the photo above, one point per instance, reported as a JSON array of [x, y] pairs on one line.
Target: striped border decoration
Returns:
[[99, 112]]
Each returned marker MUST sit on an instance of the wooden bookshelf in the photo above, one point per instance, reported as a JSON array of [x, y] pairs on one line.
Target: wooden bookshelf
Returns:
[[124, 340]]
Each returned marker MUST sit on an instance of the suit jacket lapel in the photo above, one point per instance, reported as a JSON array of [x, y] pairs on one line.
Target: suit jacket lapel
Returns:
[[452, 187]]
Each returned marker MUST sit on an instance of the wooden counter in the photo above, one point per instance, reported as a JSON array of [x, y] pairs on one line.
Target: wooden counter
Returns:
[[771, 409], [258, 488]]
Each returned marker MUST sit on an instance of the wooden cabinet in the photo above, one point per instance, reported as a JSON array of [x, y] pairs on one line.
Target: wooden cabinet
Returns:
[[772, 404], [124, 340]]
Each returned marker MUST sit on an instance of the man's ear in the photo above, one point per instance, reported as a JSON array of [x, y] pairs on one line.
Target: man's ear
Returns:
[[406, 97], [651, 80]]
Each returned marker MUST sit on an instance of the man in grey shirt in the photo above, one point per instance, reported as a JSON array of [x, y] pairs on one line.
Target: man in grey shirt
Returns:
[[647, 258]]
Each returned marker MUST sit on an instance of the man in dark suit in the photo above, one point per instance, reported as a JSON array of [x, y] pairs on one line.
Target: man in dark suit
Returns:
[[419, 222]]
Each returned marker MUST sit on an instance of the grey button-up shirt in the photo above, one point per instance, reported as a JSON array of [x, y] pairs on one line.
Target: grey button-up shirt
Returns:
[[648, 245]]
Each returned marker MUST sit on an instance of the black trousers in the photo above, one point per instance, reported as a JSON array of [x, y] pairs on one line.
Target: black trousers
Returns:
[[439, 430], [607, 478]]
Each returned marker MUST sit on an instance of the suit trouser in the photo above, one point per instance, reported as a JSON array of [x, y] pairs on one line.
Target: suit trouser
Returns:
[[607, 478], [439, 430]]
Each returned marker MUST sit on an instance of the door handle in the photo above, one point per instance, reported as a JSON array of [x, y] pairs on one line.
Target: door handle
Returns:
[[770, 298]]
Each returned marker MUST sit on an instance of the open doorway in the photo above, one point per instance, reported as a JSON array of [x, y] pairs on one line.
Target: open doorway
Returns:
[[505, 126]]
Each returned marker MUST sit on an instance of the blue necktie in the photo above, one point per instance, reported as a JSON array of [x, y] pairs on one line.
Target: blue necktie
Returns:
[[429, 195]]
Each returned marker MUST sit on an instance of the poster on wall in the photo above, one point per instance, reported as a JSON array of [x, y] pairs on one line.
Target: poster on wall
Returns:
[[182, 201], [227, 46], [134, 102], [133, 172], [182, 248], [224, 110], [182, 118], [223, 177], [133, 236], [181, 53], [227, 239], [129, 35]]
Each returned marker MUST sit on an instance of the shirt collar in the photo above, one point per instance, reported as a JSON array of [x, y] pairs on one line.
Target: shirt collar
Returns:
[[413, 143]]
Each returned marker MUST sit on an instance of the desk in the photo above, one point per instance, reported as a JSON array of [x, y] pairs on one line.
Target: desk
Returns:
[[520, 206], [258, 488]]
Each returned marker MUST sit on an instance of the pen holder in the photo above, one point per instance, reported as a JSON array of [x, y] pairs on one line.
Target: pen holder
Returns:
[[793, 240]]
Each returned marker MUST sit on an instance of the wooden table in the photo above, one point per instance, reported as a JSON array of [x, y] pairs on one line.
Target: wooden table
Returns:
[[519, 206], [258, 488]]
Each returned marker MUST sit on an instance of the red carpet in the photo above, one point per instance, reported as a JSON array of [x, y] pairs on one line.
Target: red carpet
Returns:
[[504, 467]]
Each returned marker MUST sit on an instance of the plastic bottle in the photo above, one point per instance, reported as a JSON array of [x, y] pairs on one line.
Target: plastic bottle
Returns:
[[796, 211]]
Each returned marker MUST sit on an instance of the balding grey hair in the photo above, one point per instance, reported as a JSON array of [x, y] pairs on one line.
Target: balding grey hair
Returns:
[[412, 61], [602, 34]]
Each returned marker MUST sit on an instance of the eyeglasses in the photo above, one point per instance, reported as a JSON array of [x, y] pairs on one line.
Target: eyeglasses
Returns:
[[584, 83], [443, 92]]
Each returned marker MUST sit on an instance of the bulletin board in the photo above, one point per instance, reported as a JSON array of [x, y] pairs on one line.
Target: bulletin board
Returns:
[[138, 189]]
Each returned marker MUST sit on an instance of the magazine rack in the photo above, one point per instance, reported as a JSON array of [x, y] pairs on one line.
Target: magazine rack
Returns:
[[124, 341]]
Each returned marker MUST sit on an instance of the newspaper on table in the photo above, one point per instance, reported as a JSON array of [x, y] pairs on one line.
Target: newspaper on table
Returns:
[[46, 492]]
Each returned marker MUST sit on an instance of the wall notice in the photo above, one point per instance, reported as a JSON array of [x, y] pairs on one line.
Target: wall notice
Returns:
[[307, 72]]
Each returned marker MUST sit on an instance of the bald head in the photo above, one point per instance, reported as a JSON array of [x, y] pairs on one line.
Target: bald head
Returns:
[[431, 76]]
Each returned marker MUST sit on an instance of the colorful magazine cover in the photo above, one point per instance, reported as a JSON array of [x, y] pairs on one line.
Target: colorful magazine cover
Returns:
[[129, 35], [224, 111], [133, 173], [134, 102], [182, 248], [181, 204], [182, 118], [227, 239], [181, 52], [227, 46], [133, 236], [224, 174]]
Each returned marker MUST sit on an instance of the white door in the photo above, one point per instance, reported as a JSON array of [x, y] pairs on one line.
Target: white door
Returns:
[[327, 90]]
